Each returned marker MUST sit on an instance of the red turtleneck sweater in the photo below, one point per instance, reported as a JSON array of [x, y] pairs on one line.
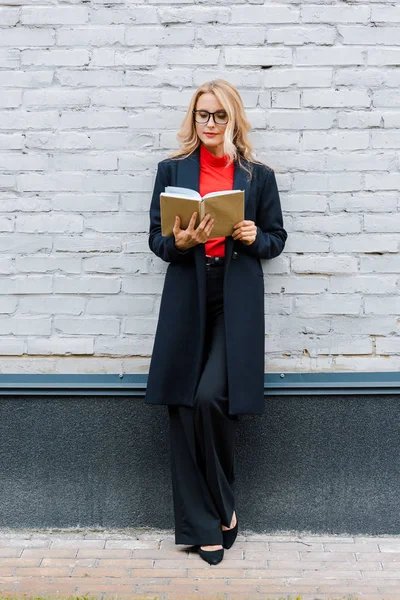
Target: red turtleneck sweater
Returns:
[[214, 177]]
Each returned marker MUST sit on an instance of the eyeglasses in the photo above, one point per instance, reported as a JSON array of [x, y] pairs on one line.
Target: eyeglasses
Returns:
[[203, 116]]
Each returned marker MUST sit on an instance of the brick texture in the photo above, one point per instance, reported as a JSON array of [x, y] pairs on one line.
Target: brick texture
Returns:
[[92, 95]]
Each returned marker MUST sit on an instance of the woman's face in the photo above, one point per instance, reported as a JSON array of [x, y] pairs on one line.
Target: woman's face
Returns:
[[215, 141]]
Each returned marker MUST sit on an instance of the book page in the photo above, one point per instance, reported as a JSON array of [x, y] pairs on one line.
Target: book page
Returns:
[[181, 192], [223, 193]]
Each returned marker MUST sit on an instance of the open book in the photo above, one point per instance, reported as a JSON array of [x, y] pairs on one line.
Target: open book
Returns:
[[226, 208]]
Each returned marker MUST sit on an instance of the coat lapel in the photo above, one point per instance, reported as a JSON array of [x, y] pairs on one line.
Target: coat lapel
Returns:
[[188, 175]]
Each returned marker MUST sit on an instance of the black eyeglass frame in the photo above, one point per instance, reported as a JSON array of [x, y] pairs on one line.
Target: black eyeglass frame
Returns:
[[209, 115]]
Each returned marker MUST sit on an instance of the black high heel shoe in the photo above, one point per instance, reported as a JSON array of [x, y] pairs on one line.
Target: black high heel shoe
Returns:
[[213, 557], [229, 535]]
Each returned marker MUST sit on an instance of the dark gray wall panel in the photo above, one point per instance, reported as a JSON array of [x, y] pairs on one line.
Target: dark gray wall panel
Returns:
[[310, 463]]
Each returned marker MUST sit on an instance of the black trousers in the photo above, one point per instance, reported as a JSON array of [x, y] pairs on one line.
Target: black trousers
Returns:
[[202, 438]]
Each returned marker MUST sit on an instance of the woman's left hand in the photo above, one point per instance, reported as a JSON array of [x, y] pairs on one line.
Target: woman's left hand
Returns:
[[245, 231]]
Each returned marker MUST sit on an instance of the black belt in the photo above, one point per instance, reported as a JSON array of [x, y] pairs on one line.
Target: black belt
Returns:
[[215, 260]]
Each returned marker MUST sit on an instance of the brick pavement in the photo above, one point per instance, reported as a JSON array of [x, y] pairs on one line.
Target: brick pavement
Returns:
[[147, 564]]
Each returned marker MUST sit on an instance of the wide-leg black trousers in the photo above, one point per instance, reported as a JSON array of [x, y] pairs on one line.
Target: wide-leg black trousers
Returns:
[[202, 438]]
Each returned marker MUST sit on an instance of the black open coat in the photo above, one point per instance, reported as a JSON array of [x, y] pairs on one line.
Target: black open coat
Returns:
[[177, 358]]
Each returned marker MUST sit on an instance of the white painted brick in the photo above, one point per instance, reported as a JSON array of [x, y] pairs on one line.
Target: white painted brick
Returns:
[[140, 326], [69, 182], [28, 120], [327, 304], [10, 98], [54, 15], [90, 36], [241, 78], [363, 325], [68, 140], [264, 14], [126, 97], [93, 78], [328, 224], [359, 119], [54, 57], [25, 243], [289, 99], [213, 35], [335, 14], [389, 305], [176, 77], [282, 77], [276, 284], [45, 264], [90, 284], [336, 98], [134, 15], [329, 56], [365, 284], [30, 79], [257, 56], [139, 345], [300, 242], [190, 56], [287, 324], [7, 223], [369, 35], [10, 58], [147, 284], [10, 346], [115, 264], [11, 141], [385, 98], [364, 243], [56, 305], [380, 264], [383, 14], [389, 345], [93, 119], [9, 16], [24, 37], [87, 326], [159, 36], [324, 264], [27, 284], [383, 56], [31, 326], [7, 182], [194, 14], [131, 222], [89, 162], [86, 243], [62, 345], [8, 305], [301, 119], [382, 223], [121, 305], [362, 203], [86, 202], [385, 139], [319, 345], [340, 140], [137, 56], [56, 98], [297, 36], [23, 162], [304, 203], [49, 223]]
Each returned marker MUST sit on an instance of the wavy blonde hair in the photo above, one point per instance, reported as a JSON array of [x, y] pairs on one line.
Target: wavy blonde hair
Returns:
[[236, 140]]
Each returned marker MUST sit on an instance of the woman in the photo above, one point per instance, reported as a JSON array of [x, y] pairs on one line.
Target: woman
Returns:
[[207, 364]]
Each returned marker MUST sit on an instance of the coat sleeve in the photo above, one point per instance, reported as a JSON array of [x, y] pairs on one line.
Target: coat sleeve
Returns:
[[271, 235], [162, 246]]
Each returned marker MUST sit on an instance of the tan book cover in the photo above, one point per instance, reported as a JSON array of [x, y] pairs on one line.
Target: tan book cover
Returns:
[[225, 207]]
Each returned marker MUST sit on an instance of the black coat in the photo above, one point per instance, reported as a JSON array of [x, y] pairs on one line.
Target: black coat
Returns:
[[177, 357]]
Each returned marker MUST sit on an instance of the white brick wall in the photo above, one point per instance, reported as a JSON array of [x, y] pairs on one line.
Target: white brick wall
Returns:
[[91, 97]]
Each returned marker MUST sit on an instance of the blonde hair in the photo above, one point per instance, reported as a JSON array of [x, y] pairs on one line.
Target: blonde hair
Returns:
[[236, 141]]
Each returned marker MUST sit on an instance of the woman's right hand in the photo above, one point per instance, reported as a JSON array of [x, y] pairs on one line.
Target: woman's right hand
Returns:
[[187, 238]]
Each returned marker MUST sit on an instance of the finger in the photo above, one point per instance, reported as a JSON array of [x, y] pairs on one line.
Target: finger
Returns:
[[209, 227], [192, 221], [177, 225]]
